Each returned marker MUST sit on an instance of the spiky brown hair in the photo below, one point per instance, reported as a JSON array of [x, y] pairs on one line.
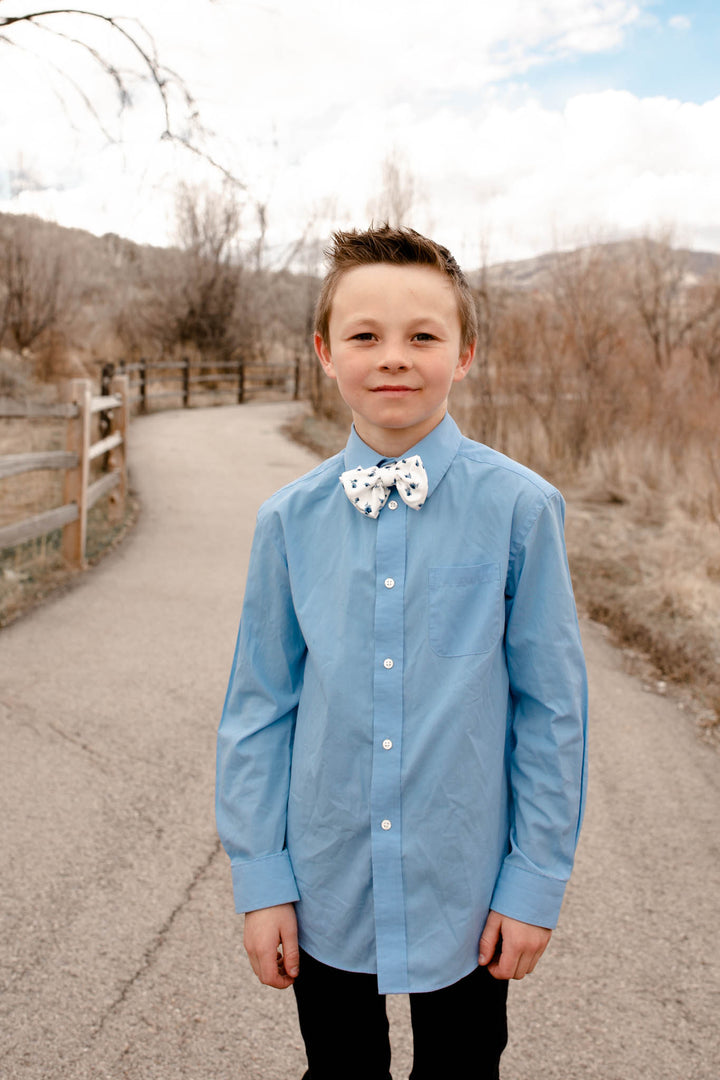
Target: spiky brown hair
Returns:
[[397, 246]]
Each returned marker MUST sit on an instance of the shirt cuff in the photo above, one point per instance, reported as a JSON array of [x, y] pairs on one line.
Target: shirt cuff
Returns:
[[531, 898], [264, 882]]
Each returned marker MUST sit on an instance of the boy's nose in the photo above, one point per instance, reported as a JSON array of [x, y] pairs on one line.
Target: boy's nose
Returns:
[[394, 358]]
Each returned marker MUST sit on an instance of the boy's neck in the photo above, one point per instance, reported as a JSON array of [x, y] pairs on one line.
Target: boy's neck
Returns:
[[389, 443]]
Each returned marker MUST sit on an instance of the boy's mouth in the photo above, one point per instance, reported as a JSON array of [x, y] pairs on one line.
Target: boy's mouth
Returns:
[[393, 389]]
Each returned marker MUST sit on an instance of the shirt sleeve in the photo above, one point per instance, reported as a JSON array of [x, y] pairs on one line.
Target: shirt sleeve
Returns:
[[548, 688], [257, 727]]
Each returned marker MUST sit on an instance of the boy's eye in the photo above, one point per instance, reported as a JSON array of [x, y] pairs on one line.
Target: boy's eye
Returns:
[[365, 335], [422, 336]]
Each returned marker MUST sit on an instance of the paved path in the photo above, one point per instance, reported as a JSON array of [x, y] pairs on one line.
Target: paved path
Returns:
[[121, 956]]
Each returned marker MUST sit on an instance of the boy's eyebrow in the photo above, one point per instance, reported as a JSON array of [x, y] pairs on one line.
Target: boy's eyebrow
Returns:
[[373, 320]]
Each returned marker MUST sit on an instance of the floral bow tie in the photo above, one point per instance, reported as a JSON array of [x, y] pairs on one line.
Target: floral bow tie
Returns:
[[368, 489]]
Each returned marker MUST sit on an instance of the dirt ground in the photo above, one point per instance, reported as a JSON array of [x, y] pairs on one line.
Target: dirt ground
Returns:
[[121, 956]]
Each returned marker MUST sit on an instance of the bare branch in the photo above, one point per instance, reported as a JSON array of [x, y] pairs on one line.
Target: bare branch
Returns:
[[161, 77], [156, 73], [109, 69], [172, 136], [72, 82]]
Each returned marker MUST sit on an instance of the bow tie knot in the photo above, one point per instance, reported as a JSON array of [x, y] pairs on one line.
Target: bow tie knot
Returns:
[[368, 489]]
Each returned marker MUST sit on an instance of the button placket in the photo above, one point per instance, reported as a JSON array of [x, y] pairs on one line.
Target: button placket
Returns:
[[385, 804]]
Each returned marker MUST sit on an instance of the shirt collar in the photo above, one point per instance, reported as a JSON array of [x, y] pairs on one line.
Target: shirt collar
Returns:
[[437, 451]]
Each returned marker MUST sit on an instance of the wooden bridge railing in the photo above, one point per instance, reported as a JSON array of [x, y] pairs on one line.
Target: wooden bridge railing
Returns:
[[79, 495]]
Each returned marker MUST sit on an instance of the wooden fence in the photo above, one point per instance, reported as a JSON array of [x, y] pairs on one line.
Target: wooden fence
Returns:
[[149, 380], [79, 495], [135, 387]]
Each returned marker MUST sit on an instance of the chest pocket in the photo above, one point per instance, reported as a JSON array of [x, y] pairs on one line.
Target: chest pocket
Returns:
[[465, 609]]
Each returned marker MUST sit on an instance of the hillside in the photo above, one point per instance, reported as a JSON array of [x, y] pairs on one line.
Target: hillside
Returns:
[[70, 301], [539, 272]]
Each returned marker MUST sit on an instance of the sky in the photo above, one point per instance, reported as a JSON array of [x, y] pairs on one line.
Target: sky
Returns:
[[524, 126]]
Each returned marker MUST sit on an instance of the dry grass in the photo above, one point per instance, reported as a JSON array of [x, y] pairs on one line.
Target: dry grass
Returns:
[[644, 545], [323, 436], [28, 493]]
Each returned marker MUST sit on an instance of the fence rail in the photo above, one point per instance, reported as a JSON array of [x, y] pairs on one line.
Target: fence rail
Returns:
[[139, 385], [14, 464], [22, 410], [149, 379], [79, 495]]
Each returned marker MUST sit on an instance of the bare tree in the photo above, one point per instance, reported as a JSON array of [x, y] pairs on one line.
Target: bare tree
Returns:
[[32, 277], [531, 363], [194, 299], [396, 196], [657, 276], [585, 293], [4, 299], [478, 387], [589, 297], [703, 338]]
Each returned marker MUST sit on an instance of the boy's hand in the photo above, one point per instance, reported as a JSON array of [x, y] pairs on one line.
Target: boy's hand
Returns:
[[510, 948], [266, 930]]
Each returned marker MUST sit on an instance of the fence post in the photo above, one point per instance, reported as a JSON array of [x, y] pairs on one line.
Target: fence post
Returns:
[[296, 385], [77, 441], [186, 381], [120, 385], [241, 382], [143, 384], [105, 425]]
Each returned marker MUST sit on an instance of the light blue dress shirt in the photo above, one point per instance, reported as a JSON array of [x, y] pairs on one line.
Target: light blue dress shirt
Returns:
[[403, 740]]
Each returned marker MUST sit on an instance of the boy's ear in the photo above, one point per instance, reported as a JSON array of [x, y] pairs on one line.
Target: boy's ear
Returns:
[[464, 361], [324, 356]]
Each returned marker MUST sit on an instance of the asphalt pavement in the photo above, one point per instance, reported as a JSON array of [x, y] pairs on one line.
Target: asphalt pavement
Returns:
[[121, 956]]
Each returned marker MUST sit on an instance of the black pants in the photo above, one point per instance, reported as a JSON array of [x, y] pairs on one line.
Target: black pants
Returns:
[[458, 1032]]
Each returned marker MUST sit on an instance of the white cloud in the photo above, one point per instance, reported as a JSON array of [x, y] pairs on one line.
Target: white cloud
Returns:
[[285, 61], [679, 22], [306, 100], [607, 164]]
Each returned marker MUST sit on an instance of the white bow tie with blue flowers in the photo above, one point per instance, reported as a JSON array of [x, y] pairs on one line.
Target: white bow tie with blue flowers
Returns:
[[368, 489]]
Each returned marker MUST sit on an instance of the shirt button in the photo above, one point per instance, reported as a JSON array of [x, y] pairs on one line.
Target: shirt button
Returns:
[[386, 824], [393, 504], [387, 744], [388, 663], [389, 583]]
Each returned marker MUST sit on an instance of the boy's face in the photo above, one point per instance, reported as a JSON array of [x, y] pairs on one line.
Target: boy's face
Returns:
[[395, 351]]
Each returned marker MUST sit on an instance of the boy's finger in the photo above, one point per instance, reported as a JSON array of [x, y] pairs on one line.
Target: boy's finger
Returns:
[[522, 967], [504, 967], [254, 964], [489, 939], [533, 962], [513, 963], [291, 955], [272, 974]]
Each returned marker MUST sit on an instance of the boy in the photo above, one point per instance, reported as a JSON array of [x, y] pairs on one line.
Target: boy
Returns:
[[401, 753]]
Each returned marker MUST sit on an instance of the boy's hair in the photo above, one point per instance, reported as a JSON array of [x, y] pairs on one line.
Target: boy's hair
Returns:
[[399, 246]]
